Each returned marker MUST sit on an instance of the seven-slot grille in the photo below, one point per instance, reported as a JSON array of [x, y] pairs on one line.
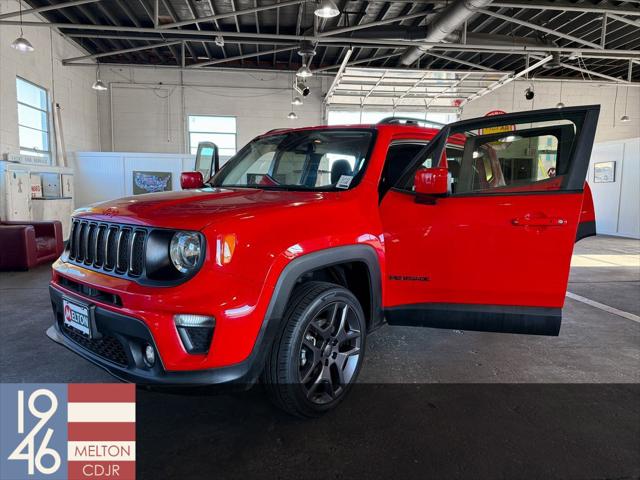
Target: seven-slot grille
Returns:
[[108, 247]]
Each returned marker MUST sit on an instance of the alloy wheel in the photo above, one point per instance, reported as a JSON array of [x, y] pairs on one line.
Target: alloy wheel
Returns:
[[330, 352]]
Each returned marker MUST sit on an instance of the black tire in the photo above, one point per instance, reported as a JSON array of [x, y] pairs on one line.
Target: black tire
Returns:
[[324, 328]]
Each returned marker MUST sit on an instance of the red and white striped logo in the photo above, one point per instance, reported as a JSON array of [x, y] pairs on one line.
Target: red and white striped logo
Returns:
[[101, 431]]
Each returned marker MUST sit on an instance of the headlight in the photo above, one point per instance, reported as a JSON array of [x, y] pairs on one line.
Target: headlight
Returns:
[[185, 250]]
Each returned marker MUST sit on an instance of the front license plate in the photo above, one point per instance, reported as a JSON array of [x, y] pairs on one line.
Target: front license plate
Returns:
[[77, 316]]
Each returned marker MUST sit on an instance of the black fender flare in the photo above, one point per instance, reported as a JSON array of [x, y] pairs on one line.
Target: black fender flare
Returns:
[[286, 283]]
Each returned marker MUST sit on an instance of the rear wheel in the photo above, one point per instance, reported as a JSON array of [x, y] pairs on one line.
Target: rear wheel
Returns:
[[316, 359]]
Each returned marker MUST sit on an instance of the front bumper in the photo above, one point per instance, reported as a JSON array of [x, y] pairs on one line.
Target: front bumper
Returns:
[[119, 351]]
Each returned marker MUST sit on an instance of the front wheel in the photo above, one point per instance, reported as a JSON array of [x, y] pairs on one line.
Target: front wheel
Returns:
[[316, 359]]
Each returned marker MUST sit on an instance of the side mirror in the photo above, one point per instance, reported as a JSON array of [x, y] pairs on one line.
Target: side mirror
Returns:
[[207, 159], [432, 181], [190, 180]]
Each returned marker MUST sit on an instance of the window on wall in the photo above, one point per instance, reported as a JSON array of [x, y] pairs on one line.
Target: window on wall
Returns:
[[209, 128], [33, 119]]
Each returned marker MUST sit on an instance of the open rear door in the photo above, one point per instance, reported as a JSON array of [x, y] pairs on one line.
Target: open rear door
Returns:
[[494, 253]]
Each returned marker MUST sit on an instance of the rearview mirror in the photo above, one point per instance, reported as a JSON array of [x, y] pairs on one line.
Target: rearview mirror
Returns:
[[207, 159], [432, 181], [190, 180]]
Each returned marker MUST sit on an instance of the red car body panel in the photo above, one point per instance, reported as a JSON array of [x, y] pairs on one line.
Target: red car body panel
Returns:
[[442, 241]]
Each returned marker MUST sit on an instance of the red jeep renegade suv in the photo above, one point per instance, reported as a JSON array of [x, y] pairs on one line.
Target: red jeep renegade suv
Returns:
[[308, 239]]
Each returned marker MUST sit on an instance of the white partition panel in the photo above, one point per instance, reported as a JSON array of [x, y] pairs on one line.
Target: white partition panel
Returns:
[[617, 202], [102, 176]]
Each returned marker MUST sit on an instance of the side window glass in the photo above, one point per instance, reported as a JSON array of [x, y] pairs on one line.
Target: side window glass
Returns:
[[524, 157], [399, 157], [454, 162]]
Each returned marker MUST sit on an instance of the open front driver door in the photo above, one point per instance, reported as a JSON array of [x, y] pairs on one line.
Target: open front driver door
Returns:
[[493, 253]]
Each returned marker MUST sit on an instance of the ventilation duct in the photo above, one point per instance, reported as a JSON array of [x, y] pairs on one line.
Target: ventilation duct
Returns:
[[444, 24]]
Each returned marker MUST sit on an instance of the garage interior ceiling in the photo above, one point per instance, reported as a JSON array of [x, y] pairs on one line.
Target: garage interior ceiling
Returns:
[[589, 39]]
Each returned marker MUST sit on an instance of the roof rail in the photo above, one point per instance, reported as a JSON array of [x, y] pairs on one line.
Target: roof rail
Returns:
[[410, 121]]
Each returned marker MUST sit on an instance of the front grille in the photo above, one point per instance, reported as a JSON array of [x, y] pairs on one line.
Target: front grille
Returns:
[[108, 347], [108, 247]]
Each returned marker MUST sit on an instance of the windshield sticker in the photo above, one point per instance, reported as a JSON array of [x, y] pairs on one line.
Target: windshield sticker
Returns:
[[344, 181]]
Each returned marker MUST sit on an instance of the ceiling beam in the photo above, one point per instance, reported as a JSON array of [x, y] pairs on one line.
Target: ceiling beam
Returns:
[[235, 13], [194, 35], [590, 72], [628, 21], [121, 51], [567, 7], [242, 57], [376, 23], [540, 28], [46, 8], [506, 80], [336, 80]]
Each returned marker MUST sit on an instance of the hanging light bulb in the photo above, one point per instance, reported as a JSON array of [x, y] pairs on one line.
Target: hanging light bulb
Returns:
[[292, 116], [560, 104], [99, 84], [304, 72], [22, 44], [296, 101], [326, 9], [625, 118]]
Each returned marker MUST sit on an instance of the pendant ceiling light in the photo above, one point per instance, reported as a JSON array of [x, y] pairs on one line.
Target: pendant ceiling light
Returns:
[[560, 104], [625, 118], [296, 101], [99, 84], [307, 51], [304, 72], [326, 9], [292, 116], [22, 44]]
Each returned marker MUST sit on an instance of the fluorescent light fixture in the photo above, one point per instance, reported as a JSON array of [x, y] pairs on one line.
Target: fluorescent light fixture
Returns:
[[326, 9]]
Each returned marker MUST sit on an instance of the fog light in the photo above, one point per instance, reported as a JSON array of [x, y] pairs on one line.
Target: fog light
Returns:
[[149, 356], [196, 331]]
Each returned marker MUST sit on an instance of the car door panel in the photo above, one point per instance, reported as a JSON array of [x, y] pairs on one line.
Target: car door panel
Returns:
[[495, 260]]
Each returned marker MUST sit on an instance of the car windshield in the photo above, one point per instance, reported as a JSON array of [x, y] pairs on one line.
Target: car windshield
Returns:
[[299, 160]]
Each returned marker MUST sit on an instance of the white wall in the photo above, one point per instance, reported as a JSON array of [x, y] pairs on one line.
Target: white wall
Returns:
[[68, 86], [101, 176], [148, 108], [618, 203]]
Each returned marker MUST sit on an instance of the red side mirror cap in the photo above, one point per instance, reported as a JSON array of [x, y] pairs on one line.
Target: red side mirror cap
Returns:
[[189, 180], [432, 181]]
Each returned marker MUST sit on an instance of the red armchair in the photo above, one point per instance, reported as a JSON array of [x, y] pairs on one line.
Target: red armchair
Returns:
[[23, 245]]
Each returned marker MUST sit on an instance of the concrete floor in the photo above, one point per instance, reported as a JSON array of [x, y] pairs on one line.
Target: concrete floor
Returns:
[[429, 401]]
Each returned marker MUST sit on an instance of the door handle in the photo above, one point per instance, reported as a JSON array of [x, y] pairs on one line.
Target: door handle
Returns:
[[531, 221]]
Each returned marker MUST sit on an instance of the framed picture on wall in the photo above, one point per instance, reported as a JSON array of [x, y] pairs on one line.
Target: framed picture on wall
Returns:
[[604, 172], [151, 182]]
